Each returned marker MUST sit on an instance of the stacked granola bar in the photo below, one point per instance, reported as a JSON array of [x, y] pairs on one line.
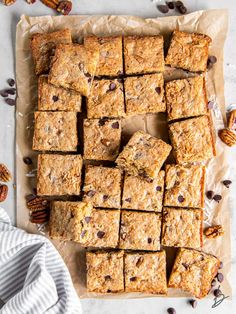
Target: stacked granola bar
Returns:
[[130, 202]]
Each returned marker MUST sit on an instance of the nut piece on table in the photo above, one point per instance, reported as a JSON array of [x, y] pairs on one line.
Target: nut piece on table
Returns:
[[51, 3], [8, 2], [64, 7], [3, 192], [228, 137], [214, 232], [232, 120], [37, 204], [5, 174], [39, 216]]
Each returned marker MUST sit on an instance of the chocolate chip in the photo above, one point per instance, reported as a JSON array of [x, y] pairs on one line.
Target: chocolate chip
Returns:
[[158, 188], [105, 197], [107, 277], [87, 74], [100, 234], [112, 86], [209, 195], [133, 278], [91, 193], [163, 8], [193, 303], [221, 265], [227, 183], [220, 277], [158, 90], [10, 102], [3, 93], [217, 198], [83, 233], [108, 291], [149, 240], [115, 125], [185, 265], [213, 283], [217, 292], [210, 104], [139, 261], [181, 198], [182, 9], [10, 91], [171, 310], [102, 121], [27, 160], [11, 82], [87, 219], [171, 5], [212, 59], [55, 98], [128, 199]]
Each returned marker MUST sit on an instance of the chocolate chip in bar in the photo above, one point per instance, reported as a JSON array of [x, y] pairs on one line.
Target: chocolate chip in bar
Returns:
[[158, 90], [115, 125], [133, 278], [112, 86], [158, 188], [100, 234], [180, 198]]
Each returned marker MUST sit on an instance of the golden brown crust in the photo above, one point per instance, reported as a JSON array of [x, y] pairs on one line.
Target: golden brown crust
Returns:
[[102, 138], [143, 54], [73, 67], [192, 139], [186, 98], [43, 48], [145, 94], [110, 54], [185, 185], [193, 271], [188, 51], [106, 99], [52, 98], [105, 271], [55, 131], [59, 174], [145, 272], [140, 231], [182, 227]]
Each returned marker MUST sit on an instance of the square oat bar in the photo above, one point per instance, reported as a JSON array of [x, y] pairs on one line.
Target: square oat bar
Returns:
[[102, 186], [110, 54], [193, 271], [186, 98], [146, 272], [142, 195], [185, 185], [145, 94], [105, 271], [106, 99], [55, 131], [73, 67], [188, 51], [52, 98], [102, 139], [143, 54], [43, 48], [144, 155], [140, 231], [192, 140], [59, 174], [182, 227]]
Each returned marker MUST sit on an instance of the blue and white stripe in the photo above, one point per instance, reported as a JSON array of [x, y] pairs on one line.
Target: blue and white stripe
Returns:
[[33, 276]]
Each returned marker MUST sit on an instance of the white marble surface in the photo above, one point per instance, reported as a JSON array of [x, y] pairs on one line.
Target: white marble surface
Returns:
[[145, 8]]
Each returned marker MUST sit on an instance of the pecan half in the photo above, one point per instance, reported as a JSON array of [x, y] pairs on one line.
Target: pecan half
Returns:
[[3, 192], [37, 203], [53, 4], [64, 7], [5, 174], [228, 137], [9, 2], [214, 232], [232, 120], [39, 216]]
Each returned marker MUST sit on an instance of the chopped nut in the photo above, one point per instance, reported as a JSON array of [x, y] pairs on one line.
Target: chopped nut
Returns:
[[64, 7], [53, 4], [228, 137], [232, 120], [214, 232], [3, 192], [9, 2], [105, 142], [37, 203], [5, 174]]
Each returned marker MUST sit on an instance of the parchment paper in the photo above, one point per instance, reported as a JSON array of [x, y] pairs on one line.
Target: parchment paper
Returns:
[[212, 23]]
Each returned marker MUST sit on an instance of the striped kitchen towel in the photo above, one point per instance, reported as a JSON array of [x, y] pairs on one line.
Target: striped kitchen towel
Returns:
[[33, 276]]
